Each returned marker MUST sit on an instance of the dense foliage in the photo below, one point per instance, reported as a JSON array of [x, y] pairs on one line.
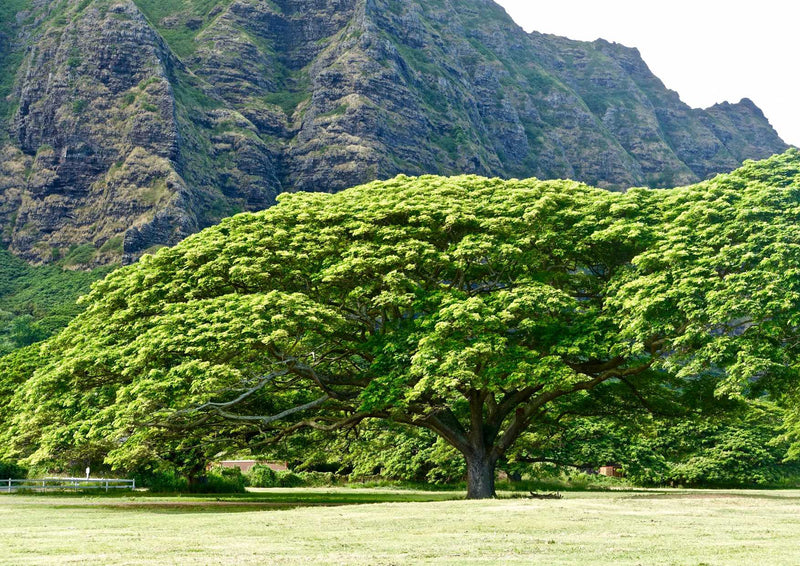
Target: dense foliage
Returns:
[[735, 444], [480, 310], [37, 302], [12, 470], [690, 438]]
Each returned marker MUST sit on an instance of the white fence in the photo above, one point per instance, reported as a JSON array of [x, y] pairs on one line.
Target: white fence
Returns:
[[11, 485]]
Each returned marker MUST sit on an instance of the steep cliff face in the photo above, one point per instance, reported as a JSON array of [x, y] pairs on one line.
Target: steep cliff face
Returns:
[[133, 123], [97, 133]]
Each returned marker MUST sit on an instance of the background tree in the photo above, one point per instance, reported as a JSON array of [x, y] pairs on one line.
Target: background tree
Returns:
[[15, 369]]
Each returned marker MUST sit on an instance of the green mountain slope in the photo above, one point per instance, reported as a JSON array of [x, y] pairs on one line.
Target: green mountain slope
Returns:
[[37, 302], [133, 123]]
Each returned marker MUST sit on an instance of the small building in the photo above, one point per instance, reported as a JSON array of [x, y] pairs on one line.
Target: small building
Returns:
[[246, 465], [610, 471]]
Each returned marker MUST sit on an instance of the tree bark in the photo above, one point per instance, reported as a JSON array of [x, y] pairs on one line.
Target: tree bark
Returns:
[[480, 476]]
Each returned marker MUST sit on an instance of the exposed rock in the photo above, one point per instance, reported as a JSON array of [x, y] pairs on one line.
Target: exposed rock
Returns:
[[133, 129]]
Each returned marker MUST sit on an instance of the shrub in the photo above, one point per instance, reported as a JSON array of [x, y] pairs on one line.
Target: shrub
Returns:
[[289, 479], [162, 482], [262, 476], [78, 106], [216, 480], [80, 255], [220, 480], [317, 479], [12, 470]]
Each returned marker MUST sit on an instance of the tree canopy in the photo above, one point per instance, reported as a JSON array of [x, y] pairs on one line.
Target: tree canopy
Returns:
[[474, 308]]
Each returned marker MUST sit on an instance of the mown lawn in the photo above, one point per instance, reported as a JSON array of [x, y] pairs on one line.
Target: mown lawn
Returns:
[[347, 526]]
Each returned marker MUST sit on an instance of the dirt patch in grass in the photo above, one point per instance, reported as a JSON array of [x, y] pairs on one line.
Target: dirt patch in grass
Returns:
[[208, 506]]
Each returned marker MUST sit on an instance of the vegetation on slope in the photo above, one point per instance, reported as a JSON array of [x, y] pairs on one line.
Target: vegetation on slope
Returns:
[[37, 302], [10, 59], [179, 22]]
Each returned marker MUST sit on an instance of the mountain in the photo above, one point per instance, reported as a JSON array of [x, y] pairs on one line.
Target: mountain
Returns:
[[130, 124]]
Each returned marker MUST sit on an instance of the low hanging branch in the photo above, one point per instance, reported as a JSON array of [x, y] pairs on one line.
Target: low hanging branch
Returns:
[[271, 418], [240, 399]]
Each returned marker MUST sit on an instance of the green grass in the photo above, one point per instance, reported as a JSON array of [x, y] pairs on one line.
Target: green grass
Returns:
[[113, 245], [404, 527]]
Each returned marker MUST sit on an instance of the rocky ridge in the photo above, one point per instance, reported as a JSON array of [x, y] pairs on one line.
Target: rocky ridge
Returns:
[[133, 123]]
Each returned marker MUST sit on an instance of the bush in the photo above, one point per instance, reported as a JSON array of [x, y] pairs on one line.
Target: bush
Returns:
[[572, 481], [262, 476], [220, 480], [216, 480], [162, 482], [290, 479], [317, 479], [12, 470]]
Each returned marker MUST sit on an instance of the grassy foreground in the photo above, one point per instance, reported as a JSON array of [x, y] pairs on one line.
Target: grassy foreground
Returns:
[[385, 527]]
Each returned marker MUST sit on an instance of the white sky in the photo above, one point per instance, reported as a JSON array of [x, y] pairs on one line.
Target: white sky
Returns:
[[708, 51]]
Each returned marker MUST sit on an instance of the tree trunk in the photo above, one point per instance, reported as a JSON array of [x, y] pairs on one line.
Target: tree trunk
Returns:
[[480, 477]]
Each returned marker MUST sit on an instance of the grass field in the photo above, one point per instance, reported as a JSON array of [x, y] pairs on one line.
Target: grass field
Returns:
[[348, 526]]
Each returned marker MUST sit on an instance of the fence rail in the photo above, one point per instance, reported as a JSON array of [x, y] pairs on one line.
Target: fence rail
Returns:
[[11, 485]]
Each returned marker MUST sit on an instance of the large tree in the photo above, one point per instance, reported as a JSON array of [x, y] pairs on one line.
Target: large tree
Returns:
[[473, 308], [725, 268]]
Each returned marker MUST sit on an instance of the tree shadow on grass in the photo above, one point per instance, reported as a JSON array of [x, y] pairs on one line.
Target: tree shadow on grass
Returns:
[[272, 500]]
